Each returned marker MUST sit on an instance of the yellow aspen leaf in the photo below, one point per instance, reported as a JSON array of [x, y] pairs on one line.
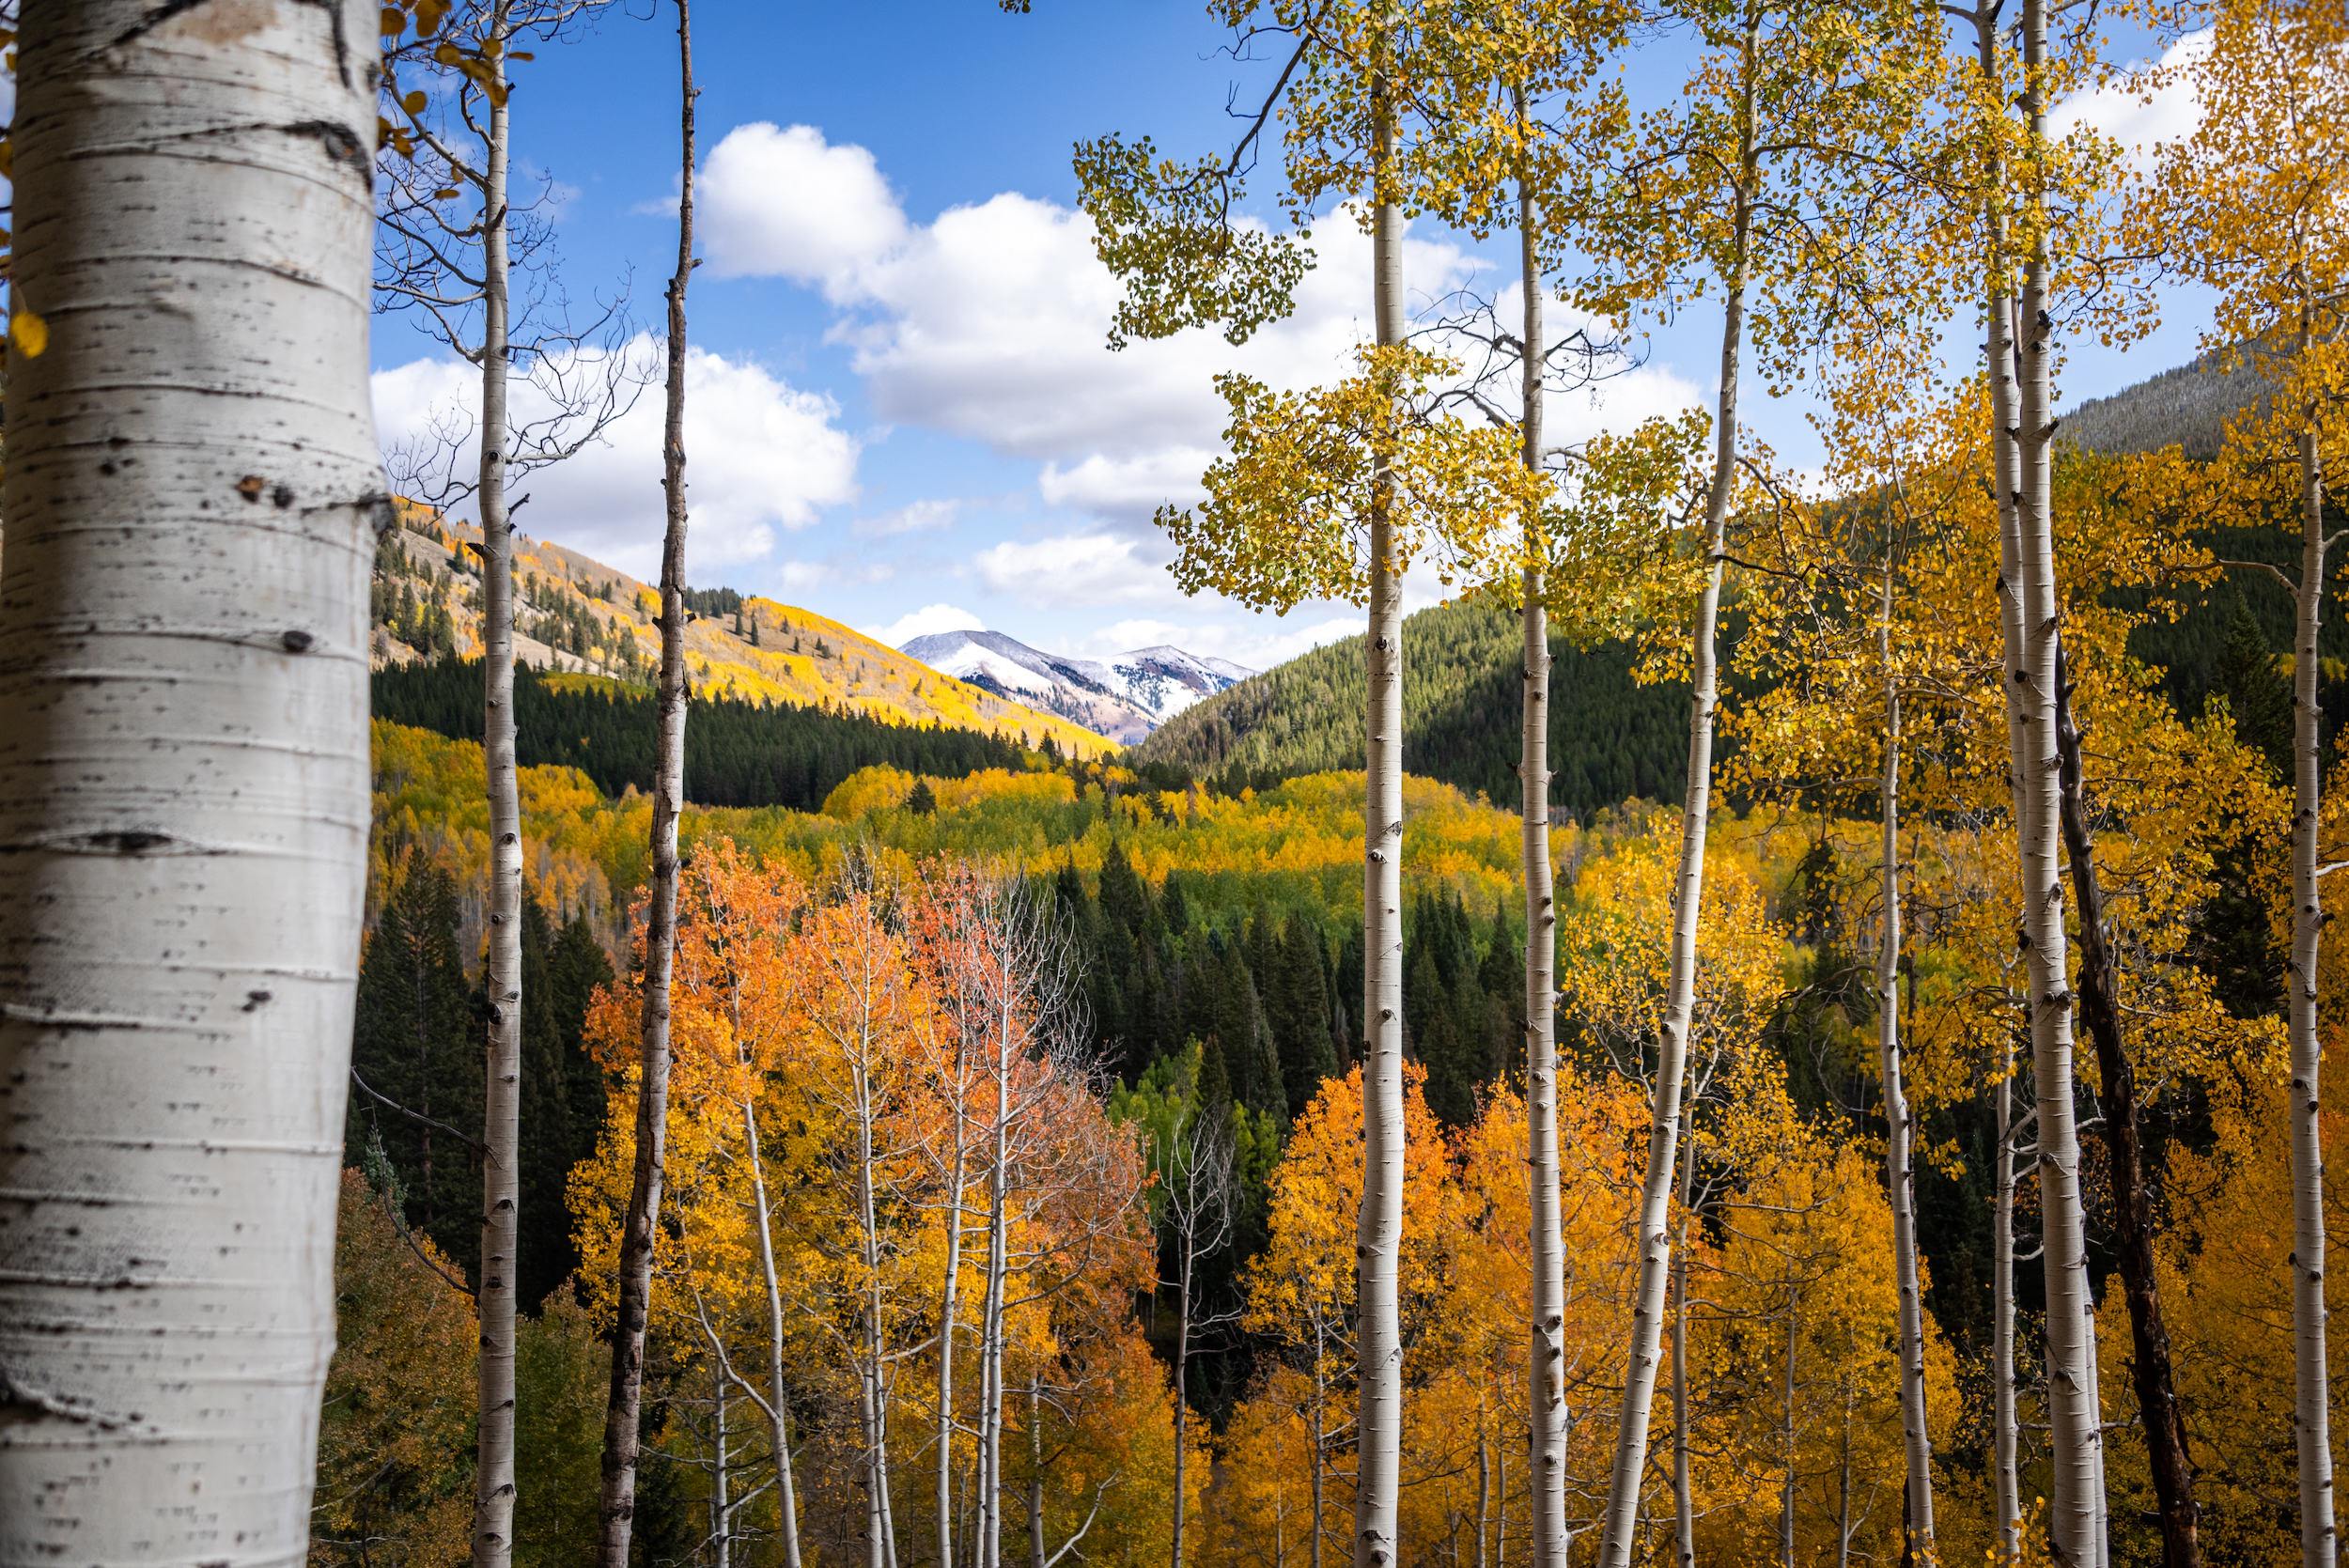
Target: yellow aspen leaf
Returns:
[[28, 333]]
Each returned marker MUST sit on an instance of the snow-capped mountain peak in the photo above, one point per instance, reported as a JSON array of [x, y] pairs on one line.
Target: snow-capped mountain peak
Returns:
[[1123, 697]]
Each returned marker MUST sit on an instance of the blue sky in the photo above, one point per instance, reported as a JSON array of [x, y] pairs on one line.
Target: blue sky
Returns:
[[902, 413]]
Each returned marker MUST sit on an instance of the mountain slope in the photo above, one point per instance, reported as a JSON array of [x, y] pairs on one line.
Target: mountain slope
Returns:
[[2187, 407], [1124, 698], [578, 616], [1610, 740]]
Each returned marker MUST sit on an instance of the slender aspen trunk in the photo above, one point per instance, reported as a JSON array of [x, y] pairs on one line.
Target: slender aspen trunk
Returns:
[[1684, 1491], [949, 1307], [1900, 1178], [2073, 1416], [721, 1508], [621, 1416], [193, 495], [501, 1134], [990, 1527], [1842, 1491], [1483, 1487], [1500, 1519], [1321, 1451], [778, 1393], [2312, 1402], [1786, 1492], [1182, 1391], [1378, 1430], [1545, 1351], [1036, 1467], [875, 1349], [2007, 1487], [2163, 1422], [2000, 372], [1617, 1542]]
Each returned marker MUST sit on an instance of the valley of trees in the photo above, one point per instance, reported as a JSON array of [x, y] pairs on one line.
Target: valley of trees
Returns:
[[1787, 1024]]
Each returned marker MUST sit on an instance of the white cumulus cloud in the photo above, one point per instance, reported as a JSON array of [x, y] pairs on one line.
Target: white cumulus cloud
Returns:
[[1075, 569], [783, 203], [930, 618], [760, 456]]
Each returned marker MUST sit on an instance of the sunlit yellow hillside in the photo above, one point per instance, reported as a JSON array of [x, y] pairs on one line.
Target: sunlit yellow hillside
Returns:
[[579, 614]]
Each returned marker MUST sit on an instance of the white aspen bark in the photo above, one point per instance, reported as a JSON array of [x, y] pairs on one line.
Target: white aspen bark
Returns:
[[2073, 1416], [2000, 369], [1616, 1543], [1843, 1492], [2007, 1488], [617, 1504], [1379, 1429], [949, 1309], [721, 1510], [1036, 1469], [1182, 1387], [778, 1393], [1483, 1485], [1786, 1492], [500, 1133], [1684, 1489], [2312, 1402], [1899, 1177], [192, 495], [1545, 1352], [1321, 1446], [991, 1524], [875, 1346]]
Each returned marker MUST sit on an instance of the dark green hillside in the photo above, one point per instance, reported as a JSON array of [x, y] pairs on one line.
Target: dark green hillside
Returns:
[[737, 753], [1610, 739]]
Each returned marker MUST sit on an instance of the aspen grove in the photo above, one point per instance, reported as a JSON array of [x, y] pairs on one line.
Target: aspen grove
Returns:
[[1872, 1110]]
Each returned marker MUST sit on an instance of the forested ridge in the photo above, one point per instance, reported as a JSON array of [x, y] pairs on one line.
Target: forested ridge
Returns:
[[739, 751]]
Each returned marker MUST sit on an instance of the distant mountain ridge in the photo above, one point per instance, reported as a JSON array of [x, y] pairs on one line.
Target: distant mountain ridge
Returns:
[[1610, 738], [575, 615], [1124, 698]]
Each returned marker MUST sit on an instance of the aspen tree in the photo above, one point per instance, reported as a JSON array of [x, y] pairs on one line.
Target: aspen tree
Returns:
[[621, 1438], [184, 765], [1202, 1206], [1170, 232], [2255, 203], [1722, 193], [2035, 631], [454, 267]]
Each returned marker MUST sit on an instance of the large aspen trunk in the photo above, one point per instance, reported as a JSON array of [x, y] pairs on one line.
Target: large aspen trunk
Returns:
[[1545, 1351], [1617, 1545], [2312, 1402], [617, 1506], [192, 495], [1900, 1178], [2164, 1424], [2076, 1518], [778, 1392], [502, 979], [1379, 1431]]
